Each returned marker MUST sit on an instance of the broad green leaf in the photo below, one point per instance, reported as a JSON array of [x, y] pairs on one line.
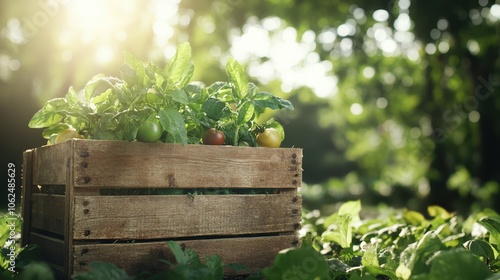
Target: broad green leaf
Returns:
[[438, 211], [370, 257], [413, 259], [173, 122], [245, 113], [352, 208], [343, 234], [237, 77], [103, 271], [135, 73], [213, 108], [265, 100], [55, 129], [44, 118], [377, 271], [492, 224], [301, 263], [186, 76], [413, 217], [480, 248], [50, 114], [458, 264], [178, 95], [178, 68], [96, 86]]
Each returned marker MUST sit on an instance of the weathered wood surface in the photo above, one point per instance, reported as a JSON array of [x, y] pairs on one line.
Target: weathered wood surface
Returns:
[[50, 164], [26, 196], [162, 216], [51, 249], [254, 252], [136, 165], [48, 212]]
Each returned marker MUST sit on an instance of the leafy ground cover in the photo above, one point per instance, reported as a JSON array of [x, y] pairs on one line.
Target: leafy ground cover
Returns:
[[391, 244]]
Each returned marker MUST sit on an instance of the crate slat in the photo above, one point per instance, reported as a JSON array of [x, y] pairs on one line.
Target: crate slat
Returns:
[[48, 212], [49, 164], [171, 216], [146, 165], [92, 219], [255, 252]]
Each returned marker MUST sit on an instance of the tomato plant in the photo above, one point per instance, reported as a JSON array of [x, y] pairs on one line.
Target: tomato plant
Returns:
[[149, 131], [270, 138], [114, 108], [213, 136]]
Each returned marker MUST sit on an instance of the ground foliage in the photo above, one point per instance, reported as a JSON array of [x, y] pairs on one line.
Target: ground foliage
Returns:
[[389, 244]]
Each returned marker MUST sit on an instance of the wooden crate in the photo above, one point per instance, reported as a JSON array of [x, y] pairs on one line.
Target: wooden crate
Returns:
[[80, 222]]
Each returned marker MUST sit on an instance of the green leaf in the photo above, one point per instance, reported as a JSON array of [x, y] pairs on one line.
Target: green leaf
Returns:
[[173, 122], [414, 217], [214, 108], [458, 264], [44, 118], [179, 255], [343, 234], [36, 271], [237, 77], [300, 263], [97, 85], [245, 113], [178, 95], [492, 224], [413, 259], [178, 70], [480, 248], [437, 211], [103, 271], [50, 114], [265, 100], [215, 265], [133, 72], [370, 257], [55, 129]]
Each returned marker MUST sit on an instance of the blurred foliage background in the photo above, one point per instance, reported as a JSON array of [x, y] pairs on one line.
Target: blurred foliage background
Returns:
[[396, 100]]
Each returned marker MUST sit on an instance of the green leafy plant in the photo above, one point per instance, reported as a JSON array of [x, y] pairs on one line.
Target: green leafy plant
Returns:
[[117, 108]]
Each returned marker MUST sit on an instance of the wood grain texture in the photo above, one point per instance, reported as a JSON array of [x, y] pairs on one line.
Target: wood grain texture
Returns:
[[51, 249], [160, 216], [49, 164], [254, 252], [160, 165], [26, 196], [48, 212]]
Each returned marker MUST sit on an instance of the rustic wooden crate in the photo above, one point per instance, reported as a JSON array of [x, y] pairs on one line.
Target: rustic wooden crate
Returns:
[[79, 224]]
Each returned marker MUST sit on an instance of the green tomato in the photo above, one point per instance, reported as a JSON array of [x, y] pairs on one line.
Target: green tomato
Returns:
[[149, 131], [270, 138]]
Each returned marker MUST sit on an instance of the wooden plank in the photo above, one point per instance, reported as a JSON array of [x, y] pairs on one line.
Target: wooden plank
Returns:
[[69, 210], [254, 252], [160, 216], [49, 164], [26, 195], [51, 249], [48, 212], [147, 165]]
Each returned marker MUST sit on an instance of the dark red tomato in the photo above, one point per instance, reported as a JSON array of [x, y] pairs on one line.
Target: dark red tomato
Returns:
[[213, 136]]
